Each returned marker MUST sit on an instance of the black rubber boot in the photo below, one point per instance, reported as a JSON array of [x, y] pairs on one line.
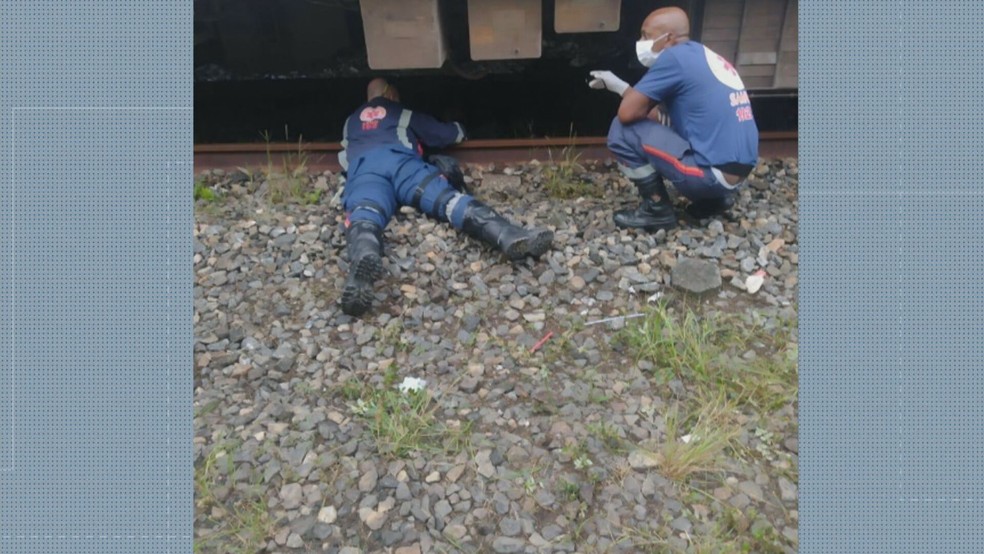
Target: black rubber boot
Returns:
[[484, 224], [651, 215], [710, 207], [365, 254]]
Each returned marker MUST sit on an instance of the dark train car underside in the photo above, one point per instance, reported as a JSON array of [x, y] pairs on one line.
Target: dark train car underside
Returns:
[[279, 71]]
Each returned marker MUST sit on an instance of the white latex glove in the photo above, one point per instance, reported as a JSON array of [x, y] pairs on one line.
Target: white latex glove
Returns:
[[608, 80]]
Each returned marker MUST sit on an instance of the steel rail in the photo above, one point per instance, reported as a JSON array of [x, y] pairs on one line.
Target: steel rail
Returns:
[[323, 155]]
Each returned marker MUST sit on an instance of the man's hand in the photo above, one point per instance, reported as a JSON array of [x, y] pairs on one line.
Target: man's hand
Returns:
[[659, 116], [608, 80]]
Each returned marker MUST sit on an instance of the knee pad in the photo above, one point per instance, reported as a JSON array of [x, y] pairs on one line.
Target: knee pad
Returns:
[[437, 209], [637, 173], [367, 210]]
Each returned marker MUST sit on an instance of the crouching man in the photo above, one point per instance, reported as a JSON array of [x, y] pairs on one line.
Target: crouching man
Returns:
[[706, 146]]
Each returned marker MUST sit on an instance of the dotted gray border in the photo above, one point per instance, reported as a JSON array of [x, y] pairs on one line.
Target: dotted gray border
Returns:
[[167, 537]]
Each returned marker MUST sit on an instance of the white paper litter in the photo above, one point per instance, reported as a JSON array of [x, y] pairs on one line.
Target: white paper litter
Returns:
[[412, 384]]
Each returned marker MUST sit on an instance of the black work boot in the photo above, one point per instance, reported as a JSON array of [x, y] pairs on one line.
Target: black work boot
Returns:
[[484, 224], [651, 215], [365, 249], [710, 207]]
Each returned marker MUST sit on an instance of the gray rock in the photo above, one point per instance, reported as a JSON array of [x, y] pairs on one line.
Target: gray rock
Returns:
[[455, 532], [508, 545], [544, 498], [320, 531], [510, 527], [389, 482], [752, 489], [696, 275], [484, 461], [390, 537], [748, 265], [787, 489], [367, 482], [295, 541], [577, 283], [291, 496], [302, 526], [442, 509], [681, 524], [551, 532], [468, 385]]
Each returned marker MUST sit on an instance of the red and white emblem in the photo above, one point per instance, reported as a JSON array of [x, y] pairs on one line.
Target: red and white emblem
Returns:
[[723, 70], [372, 114], [370, 117]]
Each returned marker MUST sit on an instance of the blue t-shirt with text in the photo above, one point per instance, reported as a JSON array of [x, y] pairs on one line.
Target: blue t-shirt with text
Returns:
[[707, 103]]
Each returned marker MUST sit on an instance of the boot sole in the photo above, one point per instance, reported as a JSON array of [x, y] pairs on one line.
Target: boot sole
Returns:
[[652, 228], [707, 214], [357, 293], [533, 246]]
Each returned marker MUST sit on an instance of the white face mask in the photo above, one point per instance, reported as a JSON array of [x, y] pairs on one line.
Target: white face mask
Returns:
[[644, 51]]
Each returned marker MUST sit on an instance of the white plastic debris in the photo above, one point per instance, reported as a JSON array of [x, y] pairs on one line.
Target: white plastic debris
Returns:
[[655, 297], [686, 438], [754, 283], [336, 200], [412, 384], [617, 319]]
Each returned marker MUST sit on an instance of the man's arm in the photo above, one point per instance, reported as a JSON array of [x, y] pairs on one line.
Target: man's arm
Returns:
[[635, 106], [661, 81], [434, 133], [343, 154]]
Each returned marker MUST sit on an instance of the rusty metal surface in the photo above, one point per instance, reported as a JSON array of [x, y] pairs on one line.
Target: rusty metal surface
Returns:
[[321, 156], [586, 16], [403, 34], [505, 29]]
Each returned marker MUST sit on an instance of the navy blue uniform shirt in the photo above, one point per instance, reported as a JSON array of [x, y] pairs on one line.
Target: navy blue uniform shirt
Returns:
[[383, 123]]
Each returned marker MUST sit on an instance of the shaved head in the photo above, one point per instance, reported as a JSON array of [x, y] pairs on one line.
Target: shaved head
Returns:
[[666, 20], [380, 87]]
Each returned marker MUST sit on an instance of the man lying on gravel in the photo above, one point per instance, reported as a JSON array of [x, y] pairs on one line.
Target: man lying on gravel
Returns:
[[382, 154], [711, 143]]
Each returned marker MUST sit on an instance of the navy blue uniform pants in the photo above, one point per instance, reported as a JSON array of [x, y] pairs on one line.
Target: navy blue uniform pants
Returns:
[[647, 147], [386, 178]]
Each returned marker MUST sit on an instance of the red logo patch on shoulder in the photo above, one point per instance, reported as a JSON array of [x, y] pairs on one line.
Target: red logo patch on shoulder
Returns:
[[370, 117], [372, 114]]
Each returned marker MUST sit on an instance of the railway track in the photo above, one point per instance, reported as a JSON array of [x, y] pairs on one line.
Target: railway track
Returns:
[[320, 156]]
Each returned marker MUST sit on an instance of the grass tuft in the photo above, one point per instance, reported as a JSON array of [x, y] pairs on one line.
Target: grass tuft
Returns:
[[562, 177], [239, 526], [709, 432], [403, 423], [753, 366], [289, 183]]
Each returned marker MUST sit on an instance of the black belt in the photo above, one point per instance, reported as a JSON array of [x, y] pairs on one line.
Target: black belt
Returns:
[[419, 192], [736, 169]]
